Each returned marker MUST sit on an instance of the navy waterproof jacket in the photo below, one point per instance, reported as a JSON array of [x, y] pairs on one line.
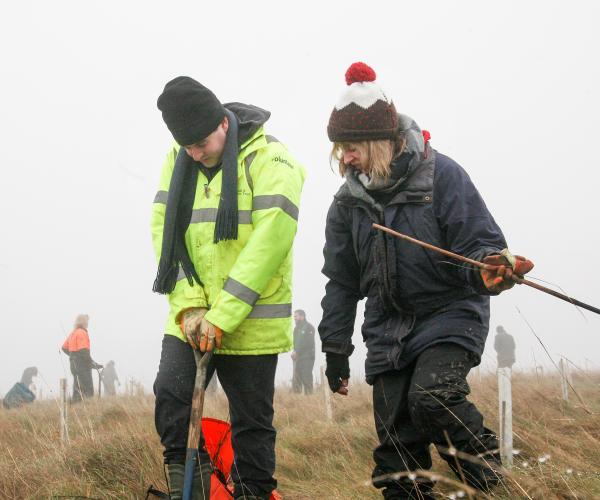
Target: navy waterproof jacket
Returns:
[[415, 298]]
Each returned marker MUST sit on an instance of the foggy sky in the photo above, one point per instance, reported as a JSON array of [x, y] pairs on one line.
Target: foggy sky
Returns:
[[507, 89]]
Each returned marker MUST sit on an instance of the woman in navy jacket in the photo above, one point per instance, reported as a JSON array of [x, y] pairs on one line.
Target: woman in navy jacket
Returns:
[[426, 320]]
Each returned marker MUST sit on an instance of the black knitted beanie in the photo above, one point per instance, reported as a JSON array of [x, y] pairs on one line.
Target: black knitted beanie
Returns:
[[190, 110]]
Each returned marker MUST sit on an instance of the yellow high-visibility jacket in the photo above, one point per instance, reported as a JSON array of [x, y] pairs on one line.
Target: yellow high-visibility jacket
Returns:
[[248, 281]]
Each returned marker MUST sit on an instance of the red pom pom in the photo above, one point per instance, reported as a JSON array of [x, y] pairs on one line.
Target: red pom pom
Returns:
[[426, 135], [359, 72]]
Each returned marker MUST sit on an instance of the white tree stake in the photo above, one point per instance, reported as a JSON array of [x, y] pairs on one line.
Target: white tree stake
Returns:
[[327, 394], [64, 424], [505, 412]]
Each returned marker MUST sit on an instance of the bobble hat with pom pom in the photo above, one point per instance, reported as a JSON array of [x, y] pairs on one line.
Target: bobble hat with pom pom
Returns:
[[364, 112]]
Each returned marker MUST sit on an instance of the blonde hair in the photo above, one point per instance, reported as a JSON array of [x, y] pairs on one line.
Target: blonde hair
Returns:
[[81, 321], [379, 154]]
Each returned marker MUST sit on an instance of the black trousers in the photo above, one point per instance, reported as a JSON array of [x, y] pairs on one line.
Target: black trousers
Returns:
[[248, 383], [423, 404], [83, 385], [303, 375]]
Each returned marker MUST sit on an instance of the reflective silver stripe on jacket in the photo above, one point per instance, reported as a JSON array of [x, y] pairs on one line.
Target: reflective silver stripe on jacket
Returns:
[[241, 292], [244, 216], [247, 162], [210, 215], [250, 158], [161, 197], [266, 201], [270, 311], [206, 214]]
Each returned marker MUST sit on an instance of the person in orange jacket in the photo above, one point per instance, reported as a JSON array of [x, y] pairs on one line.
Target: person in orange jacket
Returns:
[[77, 347]]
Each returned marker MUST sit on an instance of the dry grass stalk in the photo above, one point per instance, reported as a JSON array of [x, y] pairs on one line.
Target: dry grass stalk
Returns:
[[114, 452]]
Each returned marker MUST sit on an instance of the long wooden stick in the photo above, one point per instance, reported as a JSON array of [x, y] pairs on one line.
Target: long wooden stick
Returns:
[[195, 426], [488, 267]]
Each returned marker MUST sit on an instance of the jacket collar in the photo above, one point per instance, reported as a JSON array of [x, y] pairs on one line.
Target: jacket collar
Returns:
[[417, 186]]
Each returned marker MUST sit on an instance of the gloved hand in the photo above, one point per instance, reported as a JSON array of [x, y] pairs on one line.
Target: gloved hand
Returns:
[[337, 372], [97, 366], [210, 336], [294, 355], [191, 323], [499, 280]]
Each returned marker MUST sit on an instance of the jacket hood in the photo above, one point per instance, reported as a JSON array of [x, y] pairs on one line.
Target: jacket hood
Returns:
[[250, 118]]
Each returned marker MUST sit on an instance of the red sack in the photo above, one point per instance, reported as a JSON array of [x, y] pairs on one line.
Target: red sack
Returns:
[[217, 440]]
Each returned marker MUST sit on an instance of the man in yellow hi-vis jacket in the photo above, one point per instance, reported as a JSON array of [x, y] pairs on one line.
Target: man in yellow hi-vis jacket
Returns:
[[223, 224]]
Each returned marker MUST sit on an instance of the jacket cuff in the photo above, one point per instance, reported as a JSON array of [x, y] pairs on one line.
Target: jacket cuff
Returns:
[[345, 348], [475, 274]]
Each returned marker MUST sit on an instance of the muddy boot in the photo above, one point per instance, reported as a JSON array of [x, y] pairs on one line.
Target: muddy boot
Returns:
[[481, 477], [206, 475], [405, 489], [201, 488], [484, 473], [243, 493]]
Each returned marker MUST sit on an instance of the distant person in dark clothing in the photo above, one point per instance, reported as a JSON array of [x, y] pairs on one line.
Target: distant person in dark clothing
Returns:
[[20, 393], [77, 347], [303, 354], [28, 374], [504, 345], [109, 377]]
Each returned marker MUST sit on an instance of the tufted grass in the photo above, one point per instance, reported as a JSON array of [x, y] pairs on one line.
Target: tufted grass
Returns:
[[114, 452]]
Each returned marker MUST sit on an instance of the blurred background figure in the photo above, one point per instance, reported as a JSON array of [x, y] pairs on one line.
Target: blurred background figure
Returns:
[[504, 345], [27, 377], [109, 378], [77, 347], [303, 354], [20, 393]]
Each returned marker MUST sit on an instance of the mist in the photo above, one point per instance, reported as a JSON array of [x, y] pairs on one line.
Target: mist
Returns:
[[509, 90]]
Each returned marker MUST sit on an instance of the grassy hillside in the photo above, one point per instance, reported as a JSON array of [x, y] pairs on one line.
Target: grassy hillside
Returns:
[[114, 451]]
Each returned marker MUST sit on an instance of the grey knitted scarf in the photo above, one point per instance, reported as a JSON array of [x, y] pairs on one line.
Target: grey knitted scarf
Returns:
[[180, 201]]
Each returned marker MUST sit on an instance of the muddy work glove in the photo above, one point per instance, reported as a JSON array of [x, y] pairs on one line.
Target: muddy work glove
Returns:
[[507, 265], [210, 336], [191, 325], [337, 372]]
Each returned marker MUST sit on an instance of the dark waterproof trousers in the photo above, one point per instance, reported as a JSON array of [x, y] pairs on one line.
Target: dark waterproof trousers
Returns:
[[303, 375], [83, 385], [249, 384], [423, 404]]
